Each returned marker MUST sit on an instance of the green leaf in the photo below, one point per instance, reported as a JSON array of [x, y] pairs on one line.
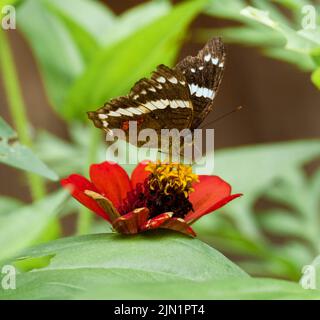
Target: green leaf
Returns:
[[238, 289], [59, 58], [97, 27], [116, 68], [243, 35], [67, 44], [295, 40], [6, 132], [266, 162], [274, 221], [8, 205], [316, 78], [228, 9], [302, 61], [26, 224], [54, 151], [136, 18], [109, 259], [264, 25], [315, 185], [275, 170], [8, 2], [14, 154], [86, 44]]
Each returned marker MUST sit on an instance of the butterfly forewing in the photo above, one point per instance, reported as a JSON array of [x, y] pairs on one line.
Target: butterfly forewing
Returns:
[[203, 74], [162, 102]]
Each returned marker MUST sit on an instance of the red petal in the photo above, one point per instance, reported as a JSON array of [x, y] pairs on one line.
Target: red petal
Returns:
[[131, 222], [77, 184], [179, 225], [139, 174], [111, 180], [211, 193], [194, 216], [157, 221]]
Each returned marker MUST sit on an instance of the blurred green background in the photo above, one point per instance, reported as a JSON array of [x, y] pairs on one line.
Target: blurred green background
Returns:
[[67, 57]]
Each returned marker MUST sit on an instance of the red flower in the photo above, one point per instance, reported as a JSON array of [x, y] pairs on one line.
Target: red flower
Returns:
[[158, 195]]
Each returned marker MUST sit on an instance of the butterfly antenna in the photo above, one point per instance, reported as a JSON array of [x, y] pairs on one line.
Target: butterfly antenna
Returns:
[[167, 153], [223, 116]]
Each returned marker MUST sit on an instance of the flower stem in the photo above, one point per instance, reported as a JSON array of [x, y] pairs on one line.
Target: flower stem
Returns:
[[17, 109], [85, 216]]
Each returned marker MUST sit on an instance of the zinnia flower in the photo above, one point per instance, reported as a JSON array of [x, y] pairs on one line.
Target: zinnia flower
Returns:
[[158, 195]]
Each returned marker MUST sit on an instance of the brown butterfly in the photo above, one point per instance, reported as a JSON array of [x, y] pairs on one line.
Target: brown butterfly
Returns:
[[177, 98]]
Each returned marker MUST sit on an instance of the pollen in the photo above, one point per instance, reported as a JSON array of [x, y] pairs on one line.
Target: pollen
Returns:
[[171, 178]]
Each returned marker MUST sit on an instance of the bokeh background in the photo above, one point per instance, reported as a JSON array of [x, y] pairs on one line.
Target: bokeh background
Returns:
[[280, 103], [269, 151]]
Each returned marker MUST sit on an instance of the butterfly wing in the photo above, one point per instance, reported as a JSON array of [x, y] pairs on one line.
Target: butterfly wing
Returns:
[[204, 74], [161, 102]]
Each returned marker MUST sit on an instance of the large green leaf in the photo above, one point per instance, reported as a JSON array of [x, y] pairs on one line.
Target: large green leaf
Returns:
[[239, 289], [14, 154], [116, 68], [109, 259], [22, 227]]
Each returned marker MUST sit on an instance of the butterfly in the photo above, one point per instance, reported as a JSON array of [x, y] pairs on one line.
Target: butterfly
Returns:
[[172, 98]]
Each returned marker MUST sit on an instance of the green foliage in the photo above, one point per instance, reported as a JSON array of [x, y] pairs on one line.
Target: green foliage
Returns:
[[91, 267], [8, 2], [276, 174], [82, 66], [86, 61], [238, 288], [16, 234], [54, 150], [14, 154], [316, 77], [110, 260], [9, 205], [265, 26]]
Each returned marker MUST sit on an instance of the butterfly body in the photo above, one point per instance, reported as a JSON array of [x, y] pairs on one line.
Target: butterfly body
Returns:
[[178, 98]]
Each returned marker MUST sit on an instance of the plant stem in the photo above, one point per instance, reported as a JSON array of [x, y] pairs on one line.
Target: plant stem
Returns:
[[85, 216], [17, 108]]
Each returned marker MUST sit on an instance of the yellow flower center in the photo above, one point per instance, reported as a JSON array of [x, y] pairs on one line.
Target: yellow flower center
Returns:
[[171, 178]]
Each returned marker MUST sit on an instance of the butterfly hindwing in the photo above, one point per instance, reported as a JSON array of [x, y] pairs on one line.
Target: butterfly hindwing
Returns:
[[204, 74]]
